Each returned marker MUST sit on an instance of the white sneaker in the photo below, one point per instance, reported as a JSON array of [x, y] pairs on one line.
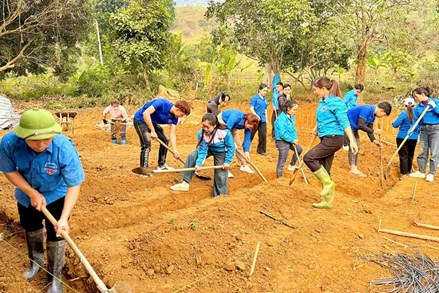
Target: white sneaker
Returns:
[[417, 174], [292, 167], [180, 187], [345, 148], [229, 174], [246, 169], [165, 167], [429, 178]]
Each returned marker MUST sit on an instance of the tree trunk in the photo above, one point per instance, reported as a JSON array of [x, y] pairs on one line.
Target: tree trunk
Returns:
[[268, 77], [146, 78], [360, 73]]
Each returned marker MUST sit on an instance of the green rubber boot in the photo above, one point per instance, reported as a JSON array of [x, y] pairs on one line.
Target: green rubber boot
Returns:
[[328, 187], [327, 201]]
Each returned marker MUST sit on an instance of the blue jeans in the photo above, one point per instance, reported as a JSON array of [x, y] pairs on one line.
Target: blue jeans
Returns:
[[220, 178], [284, 148], [429, 141]]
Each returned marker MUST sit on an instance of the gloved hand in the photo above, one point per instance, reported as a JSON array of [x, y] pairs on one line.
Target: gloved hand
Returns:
[[105, 121], [432, 104]]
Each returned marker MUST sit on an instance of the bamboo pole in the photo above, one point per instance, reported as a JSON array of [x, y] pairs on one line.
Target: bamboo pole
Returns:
[[381, 163], [426, 226], [396, 242], [414, 191], [254, 259], [407, 234]]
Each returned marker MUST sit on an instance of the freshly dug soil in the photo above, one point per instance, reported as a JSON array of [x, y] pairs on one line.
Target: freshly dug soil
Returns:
[[138, 231]]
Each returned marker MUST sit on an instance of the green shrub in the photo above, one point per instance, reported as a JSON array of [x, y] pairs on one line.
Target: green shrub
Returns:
[[34, 87]]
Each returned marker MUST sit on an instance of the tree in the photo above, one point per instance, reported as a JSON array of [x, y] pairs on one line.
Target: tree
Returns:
[[38, 34], [285, 34], [368, 21], [140, 35]]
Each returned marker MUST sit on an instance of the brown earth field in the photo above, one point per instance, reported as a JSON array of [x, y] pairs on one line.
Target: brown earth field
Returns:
[[137, 231]]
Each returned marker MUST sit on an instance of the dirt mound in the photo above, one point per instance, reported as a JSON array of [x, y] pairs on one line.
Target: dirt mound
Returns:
[[139, 231]]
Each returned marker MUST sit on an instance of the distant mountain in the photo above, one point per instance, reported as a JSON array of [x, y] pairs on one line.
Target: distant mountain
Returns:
[[193, 2]]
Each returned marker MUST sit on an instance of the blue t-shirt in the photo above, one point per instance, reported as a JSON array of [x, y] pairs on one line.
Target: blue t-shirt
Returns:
[[161, 114], [331, 116], [367, 112], [404, 124], [259, 104], [234, 119], [285, 128], [432, 115], [50, 172], [350, 98]]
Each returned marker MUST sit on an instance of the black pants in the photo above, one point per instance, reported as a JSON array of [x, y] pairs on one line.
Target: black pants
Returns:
[[145, 143], [323, 153], [406, 155], [32, 220], [262, 137], [212, 107]]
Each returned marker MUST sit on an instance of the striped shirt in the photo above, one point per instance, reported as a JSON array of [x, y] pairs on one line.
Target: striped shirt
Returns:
[[8, 117]]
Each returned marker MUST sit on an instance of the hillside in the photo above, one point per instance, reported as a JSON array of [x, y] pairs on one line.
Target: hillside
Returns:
[[191, 23]]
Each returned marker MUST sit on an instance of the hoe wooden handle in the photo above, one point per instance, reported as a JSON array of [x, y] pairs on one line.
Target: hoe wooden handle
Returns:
[[101, 286]]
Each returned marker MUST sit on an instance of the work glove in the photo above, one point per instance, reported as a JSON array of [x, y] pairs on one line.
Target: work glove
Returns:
[[105, 121], [432, 104]]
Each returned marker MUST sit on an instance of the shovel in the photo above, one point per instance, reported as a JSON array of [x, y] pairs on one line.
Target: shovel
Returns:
[[119, 287], [405, 139], [202, 177]]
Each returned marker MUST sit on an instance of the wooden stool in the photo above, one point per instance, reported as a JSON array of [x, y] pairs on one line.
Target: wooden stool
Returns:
[[66, 119]]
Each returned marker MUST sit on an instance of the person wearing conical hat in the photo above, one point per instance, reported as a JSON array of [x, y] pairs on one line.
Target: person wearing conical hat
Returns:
[[45, 168]]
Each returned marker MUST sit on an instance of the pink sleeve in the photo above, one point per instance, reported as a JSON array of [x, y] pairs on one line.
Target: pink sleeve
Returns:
[[124, 112], [106, 110]]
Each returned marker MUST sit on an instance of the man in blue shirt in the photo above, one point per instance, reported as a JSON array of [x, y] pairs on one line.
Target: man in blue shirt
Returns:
[[46, 170], [147, 122], [362, 118], [351, 100]]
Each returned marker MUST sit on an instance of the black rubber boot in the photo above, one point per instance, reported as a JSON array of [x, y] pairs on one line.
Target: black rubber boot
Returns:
[[55, 263], [35, 249]]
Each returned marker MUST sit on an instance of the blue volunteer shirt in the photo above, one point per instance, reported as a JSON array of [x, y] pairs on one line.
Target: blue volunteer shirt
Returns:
[[274, 101], [404, 124], [285, 128], [222, 143], [331, 116], [234, 119], [50, 172], [350, 99], [161, 114], [367, 112], [432, 115], [259, 104]]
